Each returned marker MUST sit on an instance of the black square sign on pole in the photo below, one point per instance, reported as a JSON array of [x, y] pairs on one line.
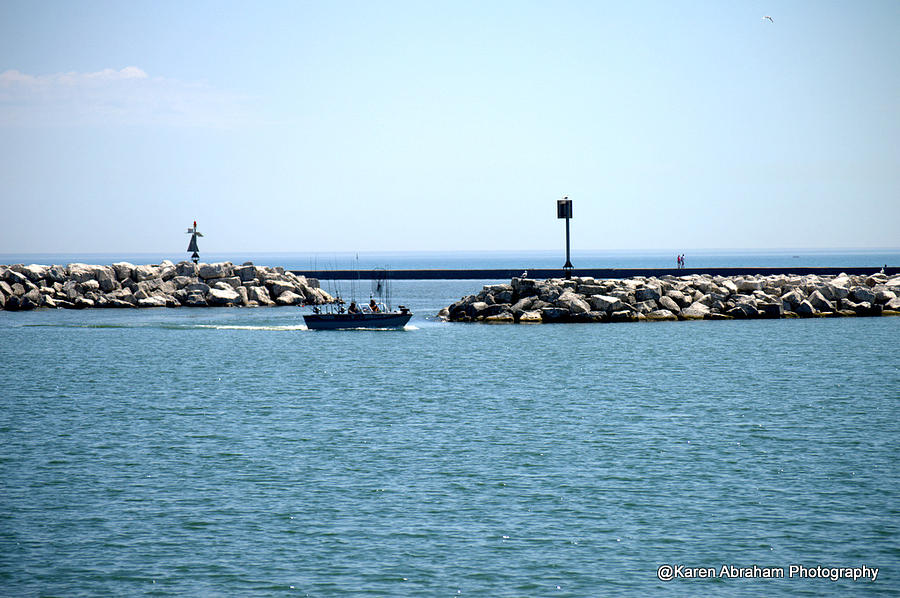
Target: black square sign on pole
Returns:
[[564, 210]]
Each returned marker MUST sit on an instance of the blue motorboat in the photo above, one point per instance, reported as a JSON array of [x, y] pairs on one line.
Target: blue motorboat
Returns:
[[378, 314], [346, 320]]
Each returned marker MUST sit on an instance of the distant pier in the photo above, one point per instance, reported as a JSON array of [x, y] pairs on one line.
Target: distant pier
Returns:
[[598, 273]]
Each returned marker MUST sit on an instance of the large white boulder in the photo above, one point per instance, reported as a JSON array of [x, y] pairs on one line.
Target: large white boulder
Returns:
[[36, 272], [792, 299], [181, 281], [189, 269], [57, 273], [841, 280], [322, 296], [696, 311], [646, 307], [220, 296], [260, 295], [167, 270], [749, 284], [247, 272], [679, 297], [282, 286], [123, 270], [523, 304], [606, 303], [669, 304], [661, 315], [232, 281], [81, 272], [245, 296], [217, 270], [473, 310], [531, 317], [289, 298], [573, 302], [646, 294], [836, 291], [145, 272], [197, 287], [818, 301], [107, 278], [152, 301]]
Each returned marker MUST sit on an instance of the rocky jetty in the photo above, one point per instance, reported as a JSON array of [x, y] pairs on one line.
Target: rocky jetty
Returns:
[[78, 286], [692, 297]]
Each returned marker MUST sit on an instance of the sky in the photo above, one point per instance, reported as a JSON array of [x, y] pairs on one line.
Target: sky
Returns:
[[439, 126]]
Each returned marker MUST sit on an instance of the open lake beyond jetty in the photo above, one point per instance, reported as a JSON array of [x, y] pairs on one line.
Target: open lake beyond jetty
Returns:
[[229, 451]]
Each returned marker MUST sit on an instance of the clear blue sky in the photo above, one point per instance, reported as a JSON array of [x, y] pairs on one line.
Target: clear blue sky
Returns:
[[377, 126]]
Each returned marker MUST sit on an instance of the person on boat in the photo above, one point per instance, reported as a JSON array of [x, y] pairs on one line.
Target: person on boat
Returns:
[[353, 309], [373, 306]]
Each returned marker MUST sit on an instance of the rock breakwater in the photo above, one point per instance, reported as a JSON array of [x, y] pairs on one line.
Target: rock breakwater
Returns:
[[693, 297], [78, 286]]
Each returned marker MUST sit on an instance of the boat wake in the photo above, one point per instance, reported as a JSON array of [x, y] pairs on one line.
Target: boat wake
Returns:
[[236, 327], [291, 327], [285, 328], [364, 329]]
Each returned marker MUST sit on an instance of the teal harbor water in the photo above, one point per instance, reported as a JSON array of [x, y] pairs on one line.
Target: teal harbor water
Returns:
[[228, 451]]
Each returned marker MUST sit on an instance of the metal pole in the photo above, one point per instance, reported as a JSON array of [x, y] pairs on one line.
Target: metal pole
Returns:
[[564, 210]]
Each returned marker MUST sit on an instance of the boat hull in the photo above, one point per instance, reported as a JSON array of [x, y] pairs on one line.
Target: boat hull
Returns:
[[349, 321]]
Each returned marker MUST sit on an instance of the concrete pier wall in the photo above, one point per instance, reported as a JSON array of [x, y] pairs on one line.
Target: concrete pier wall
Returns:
[[598, 273]]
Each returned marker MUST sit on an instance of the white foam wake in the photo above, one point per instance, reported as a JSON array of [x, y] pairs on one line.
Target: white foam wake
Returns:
[[235, 327]]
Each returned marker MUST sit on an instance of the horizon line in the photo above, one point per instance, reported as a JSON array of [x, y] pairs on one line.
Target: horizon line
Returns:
[[665, 250]]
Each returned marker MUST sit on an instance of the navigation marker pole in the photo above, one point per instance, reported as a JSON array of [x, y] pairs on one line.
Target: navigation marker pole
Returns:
[[192, 246], [564, 210]]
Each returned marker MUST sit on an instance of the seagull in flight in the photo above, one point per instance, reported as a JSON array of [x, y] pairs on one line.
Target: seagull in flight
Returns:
[[771, 20]]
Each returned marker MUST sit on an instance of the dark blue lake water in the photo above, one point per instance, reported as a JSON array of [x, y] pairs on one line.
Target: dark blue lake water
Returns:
[[230, 452]]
